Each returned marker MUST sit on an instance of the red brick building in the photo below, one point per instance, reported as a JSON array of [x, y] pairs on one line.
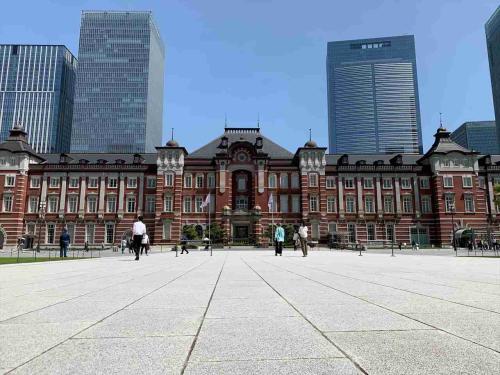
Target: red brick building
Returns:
[[370, 198]]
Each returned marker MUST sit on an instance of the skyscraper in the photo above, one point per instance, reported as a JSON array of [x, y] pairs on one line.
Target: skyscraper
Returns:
[[373, 104], [479, 136], [119, 92], [492, 28], [36, 91]]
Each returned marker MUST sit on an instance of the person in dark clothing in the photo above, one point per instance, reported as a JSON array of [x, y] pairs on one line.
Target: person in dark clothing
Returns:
[[64, 241], [138, 231], [184, 244]]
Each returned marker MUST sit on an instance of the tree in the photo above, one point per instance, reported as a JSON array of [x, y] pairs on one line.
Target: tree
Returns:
[[190, 232], [217, 233]]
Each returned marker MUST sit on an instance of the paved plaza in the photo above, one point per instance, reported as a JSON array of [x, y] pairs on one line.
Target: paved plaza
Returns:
[[249, 312]]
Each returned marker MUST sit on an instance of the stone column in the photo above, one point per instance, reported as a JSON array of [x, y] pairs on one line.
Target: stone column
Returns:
[[380, 207], [398, 196], [121, 195], [140, 199], [491, 197], [361, 208], [62, 197], [341, 196], [43, 194], [416, 195], [102, 188], [83, 188]]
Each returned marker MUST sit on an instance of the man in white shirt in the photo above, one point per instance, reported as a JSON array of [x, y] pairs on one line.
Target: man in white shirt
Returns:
[[303, 238], [138, 231]]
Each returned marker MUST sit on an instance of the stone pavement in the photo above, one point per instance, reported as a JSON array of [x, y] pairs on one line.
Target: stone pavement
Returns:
[[249, 312]]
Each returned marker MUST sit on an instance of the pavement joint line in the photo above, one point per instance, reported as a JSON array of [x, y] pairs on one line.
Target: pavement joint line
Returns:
[[381, 330], [79, 296], [254, 317], [270, 359], [106, 317], [354, 362], [403, 290], [193, 344], [388, 309], [124, 337]]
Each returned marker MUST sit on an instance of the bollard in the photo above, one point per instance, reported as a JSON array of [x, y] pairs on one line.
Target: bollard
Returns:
[[176, 251], [392, 250], [360, 248]]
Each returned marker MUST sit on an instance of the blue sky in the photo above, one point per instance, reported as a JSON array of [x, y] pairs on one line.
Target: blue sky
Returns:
[[246, 58]]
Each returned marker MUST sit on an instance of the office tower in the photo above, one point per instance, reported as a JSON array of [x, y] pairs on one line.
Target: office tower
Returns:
[[373, 104], [119, 91], [36, 91], [492, 28], [479, 136]]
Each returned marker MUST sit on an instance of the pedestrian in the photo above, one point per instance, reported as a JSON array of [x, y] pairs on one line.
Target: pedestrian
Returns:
[[303, 238], [279, 238], [184, 244], [138, 232], [296, 238], [124, 245], [64, 240], [400, 245], [145, 243], [413, 245]]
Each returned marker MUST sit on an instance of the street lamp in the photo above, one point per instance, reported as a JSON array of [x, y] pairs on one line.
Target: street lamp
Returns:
[[452, 211], [41, 220]]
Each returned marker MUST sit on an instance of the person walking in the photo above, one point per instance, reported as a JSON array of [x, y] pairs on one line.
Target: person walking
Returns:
[[296, 238], [138, 232], [279, 238], [145, 243], [123, 245], [303, 238], [184, 244], [64, 241]]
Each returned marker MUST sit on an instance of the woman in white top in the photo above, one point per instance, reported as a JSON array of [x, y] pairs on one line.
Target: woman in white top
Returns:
[[145, 243]]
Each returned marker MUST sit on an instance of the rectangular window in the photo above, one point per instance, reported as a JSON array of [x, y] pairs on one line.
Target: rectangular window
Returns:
[[284, 181], [52, 204], [35, 182], [295, 203], [426, 204], [331, 204], [388, 204], [424, 182], [130, 204], [54, 182], [330, 182], [405, 183], [132, 182], [33, 205], [110, 233], [313, 180], [93, 182], [210, 181], [112, 182], [469, 203], [166, 230], [351, 232], [387, 183], [89, 233], [349, 183], [241, 183], [70, 227], [467, 181], [10, 181], [447, 181], [284, 203], [7, 203], [51, 233], [111, 204], [168, 203], [31, 228], [370, 231], [92, 204], [350, 204], [242, 203], [187, 204], [332, 227], [481, 183], [449, 202], [272, 181], [72, 203], [407, 204], [295, 181], [389, 232], [169, 179], [198, 201], [368, 183], [150, 204], [188, 181], [369, 205], [313, 203], [73, 182], [151, 182], [199, 181]]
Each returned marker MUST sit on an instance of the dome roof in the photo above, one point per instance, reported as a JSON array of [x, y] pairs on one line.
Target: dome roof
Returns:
[[172, 143], [311, 144]]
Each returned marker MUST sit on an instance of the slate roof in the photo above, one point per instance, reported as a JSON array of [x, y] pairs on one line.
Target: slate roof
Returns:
[[93, 158], [17, 143], [370, 159], [274, 150], [443, 144]]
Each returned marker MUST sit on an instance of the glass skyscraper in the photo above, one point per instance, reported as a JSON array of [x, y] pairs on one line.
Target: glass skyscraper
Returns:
[[479, 136], [373, 105], [119, 91], [36, 91], [492, 28]]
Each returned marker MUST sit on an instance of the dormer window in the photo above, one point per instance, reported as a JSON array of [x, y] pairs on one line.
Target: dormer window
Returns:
[[119, 161], [224, 142], [258, 142], [101, 161], [83, 161], [138, 159], [64, 159]]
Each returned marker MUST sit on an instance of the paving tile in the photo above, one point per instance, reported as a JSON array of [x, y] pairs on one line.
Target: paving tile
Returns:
[[332, 366], [242, 308], [259, 292], [149, 355], [416, 352], [256, 338]]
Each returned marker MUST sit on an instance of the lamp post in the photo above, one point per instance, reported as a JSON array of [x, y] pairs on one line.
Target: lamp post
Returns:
[[41, 220], [452, 211]]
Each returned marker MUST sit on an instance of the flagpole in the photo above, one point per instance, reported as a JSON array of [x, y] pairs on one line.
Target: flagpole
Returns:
[[209, 240], [272, 220]]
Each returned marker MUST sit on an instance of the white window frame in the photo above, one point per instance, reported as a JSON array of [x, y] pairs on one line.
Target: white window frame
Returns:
[[187, 202], [35, 185], [369, 185], [8, 207], [427, 207], [109, 199], [210, 181], [447, 179], [54, 182], [12, 182], [348, 200], [331, 204], [106, 227], [151, 182], [199, 181], [127, 202], [424, 182], [449, 203], [169, 179], [407, 204], [150, 209], [272, 183], [52, 198], [313, 179], [198, 201], [91, 198], [70, 198], [471, 198], [36, 199], [296, 204], [53, 241], [384, 202], [369, 198], [406, 183], [112, 182], [313, 203], [330, 182], [387, 183], [130, 184], [295, 181], [349, 183], [74, 182], [93, 183], [168, 203], [284, 203], [368, 225], [284, 181], [188, 181], [467, 178]]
